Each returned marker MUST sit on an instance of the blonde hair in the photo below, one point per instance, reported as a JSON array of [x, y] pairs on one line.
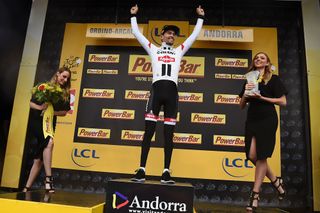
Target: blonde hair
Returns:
[[66, 87], [267, 71]]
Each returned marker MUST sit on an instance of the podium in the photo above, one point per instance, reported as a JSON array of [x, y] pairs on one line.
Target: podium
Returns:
[[124, 195]]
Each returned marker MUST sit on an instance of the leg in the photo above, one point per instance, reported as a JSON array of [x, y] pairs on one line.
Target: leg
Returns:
[[47, 161], [150, 127], [36, 167], [168, 144]]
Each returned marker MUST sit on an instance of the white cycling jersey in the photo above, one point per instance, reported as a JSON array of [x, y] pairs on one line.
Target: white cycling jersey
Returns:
[[165, 59]]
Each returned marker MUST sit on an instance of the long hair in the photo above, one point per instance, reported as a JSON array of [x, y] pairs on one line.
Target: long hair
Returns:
[[67, 85], [267, 70]]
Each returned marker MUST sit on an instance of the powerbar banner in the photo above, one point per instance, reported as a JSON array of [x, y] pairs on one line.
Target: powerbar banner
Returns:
[[111, 80]]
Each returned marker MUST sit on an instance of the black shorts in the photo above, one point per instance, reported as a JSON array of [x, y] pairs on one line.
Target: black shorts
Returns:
[[163, 93]]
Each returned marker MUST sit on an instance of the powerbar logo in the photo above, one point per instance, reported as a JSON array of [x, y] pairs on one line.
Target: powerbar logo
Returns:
[[187, 138], [102, 72], [189, 66], [208, 118], [226, 99], [137, 95], [131, 135], [231, 62], [98, 93], [93, 133], [227, 140], [104, 58], [155, 206], [190, 97], [118, 114]]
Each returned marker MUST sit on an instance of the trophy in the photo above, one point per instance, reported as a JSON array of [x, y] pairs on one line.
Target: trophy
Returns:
[[252, 78]]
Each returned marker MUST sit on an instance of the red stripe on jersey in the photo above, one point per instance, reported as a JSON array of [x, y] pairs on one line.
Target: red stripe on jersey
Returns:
[[169, 120], [149, 45], [182, 46], [152, 116]]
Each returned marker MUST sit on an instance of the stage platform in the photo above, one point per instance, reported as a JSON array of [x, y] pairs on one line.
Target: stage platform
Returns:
[[71, 202]]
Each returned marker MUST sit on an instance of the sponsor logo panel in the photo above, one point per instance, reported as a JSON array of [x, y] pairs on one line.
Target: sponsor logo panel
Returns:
[[102, 72], [93, 133], [84, 157], [187, 138], [228, 140], [208, 118], [226, 99], [236, 167], [133, 135], [190, 97], [189, 66], [104, 58], [98, 93], [118, 114], [229, 76], [231, 62], [137, 95]]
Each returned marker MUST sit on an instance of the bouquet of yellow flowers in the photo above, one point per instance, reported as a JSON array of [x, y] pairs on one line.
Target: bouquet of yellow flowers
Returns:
[[47, 92]]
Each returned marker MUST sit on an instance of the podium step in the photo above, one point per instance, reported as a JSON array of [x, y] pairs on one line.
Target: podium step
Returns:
[[123, 196], [58, 202]]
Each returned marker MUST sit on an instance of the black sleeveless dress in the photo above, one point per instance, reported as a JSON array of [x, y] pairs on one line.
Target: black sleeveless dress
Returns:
[[262, 119], [35, 126]]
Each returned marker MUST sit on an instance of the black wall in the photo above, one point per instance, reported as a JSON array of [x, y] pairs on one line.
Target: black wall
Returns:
[[14, 16], [285, 16]]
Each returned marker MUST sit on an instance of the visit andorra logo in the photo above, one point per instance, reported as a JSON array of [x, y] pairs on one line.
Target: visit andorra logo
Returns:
[[147, 206]]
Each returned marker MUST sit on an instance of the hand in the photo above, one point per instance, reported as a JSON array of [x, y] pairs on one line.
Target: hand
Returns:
[[44, 106], [134, 10], [249, 86], [255, 95], [200, 11]]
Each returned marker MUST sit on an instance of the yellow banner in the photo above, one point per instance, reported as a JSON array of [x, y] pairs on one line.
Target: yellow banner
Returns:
[[208, 118], [231, 62], [233, 34], [191, 97], [118, 31], [47, 121], [133, 135], [187, 138], [137, 95], [190, 66]]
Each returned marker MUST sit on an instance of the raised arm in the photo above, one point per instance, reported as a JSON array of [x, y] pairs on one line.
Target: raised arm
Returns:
[[135, 30], [187, 43]]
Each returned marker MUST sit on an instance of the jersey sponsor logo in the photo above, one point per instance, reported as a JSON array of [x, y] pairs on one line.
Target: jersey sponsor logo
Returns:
[[137, 95], [98, 93], [118, 114], [104, 58], [208, 118], [133, 135], [187, 138], [102, 71], [231, 62], [226, 99], [166, 59], [93, 133], [228, 140], [190, 97], [189, 66]]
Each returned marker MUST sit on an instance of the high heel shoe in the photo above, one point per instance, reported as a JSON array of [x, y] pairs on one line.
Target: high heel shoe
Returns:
[[253, 196], [277, 183], [48, 184], [26, 189]]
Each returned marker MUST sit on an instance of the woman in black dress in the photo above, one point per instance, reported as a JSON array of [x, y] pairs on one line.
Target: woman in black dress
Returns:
[[43, 152], [261, 124]]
